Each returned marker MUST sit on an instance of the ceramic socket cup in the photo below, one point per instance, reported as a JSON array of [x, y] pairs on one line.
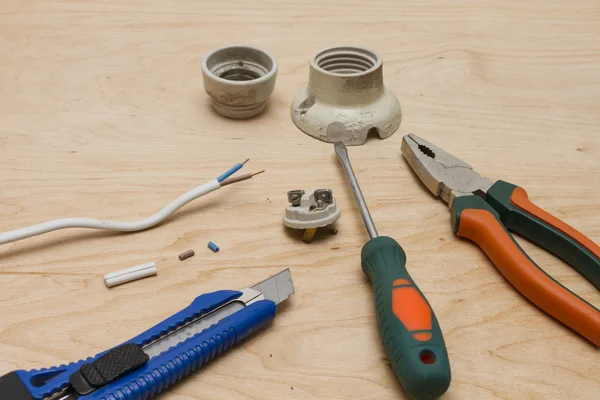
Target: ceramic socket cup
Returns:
[[345, 99], [239, 79]]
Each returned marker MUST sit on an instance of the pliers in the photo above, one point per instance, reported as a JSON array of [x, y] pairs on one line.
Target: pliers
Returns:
[[485, 211]]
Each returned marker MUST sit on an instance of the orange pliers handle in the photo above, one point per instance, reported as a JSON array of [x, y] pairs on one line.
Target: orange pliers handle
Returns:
[[507, 207]]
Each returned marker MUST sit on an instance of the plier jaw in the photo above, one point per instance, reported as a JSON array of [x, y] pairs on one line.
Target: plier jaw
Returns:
[[443, 174]]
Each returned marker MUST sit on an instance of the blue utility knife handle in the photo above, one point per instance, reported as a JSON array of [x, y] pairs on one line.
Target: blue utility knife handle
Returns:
[[169, 367], [44, 382]]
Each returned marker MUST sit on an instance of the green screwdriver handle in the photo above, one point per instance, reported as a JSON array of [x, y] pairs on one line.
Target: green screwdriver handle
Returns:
[[408, 327]]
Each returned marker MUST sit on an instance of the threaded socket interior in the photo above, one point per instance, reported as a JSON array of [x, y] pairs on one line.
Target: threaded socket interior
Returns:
[[243, 73], [347, 60], [239, 63]]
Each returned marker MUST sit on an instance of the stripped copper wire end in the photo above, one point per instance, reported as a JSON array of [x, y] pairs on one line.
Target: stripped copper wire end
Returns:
[[240, 178]]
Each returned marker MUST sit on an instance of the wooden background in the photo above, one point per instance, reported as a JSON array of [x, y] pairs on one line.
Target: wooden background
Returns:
[[103, 114]]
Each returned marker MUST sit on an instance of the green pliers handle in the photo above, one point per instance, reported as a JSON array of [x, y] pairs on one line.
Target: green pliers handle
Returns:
[[409, 329]]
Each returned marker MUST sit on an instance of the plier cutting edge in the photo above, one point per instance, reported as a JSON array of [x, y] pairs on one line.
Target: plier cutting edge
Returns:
[[485, 211]]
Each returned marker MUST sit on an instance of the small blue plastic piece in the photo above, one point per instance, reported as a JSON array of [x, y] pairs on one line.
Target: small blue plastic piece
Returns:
[[213, 247], [232, 171], [167, 368]]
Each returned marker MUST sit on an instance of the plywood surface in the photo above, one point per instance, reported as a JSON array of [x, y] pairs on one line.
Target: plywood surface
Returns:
[[103, 114]]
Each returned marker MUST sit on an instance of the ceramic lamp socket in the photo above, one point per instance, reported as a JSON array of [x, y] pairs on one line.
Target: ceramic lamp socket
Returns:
[[239, 79], [345, 99]]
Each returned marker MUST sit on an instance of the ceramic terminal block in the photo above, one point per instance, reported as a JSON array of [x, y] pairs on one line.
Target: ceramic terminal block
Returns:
[[345, 99], [310, 211]]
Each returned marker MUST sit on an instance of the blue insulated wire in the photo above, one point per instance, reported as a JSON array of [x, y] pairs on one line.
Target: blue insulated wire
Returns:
[[231, 171]]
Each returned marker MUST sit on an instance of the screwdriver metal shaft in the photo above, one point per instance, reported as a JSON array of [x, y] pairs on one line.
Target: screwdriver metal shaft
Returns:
[[342, 153]]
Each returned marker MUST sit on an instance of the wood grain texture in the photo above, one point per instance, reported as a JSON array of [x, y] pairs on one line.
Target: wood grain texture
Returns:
[[103, 114]]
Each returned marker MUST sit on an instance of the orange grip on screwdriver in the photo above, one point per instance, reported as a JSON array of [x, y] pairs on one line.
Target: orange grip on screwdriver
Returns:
[[407, 324], [482, 227], [412, 309]]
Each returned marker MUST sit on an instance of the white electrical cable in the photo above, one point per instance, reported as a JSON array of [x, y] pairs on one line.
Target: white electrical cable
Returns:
[[145, 223]]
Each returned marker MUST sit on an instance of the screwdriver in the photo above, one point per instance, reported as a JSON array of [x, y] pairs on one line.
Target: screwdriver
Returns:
[[408, 327]]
